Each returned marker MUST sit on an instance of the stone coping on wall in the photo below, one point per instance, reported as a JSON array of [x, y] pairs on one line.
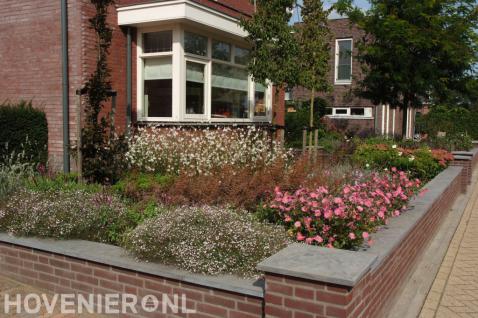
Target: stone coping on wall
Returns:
[[119, 258], [346, 268]]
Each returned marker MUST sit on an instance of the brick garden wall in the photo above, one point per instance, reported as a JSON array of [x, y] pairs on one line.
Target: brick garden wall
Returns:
[[60, 274], [289, 297]]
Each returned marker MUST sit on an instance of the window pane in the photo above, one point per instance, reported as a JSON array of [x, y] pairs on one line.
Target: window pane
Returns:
[[241, 56], [260, 100], [357, 111], [328, 111], [344, 64], [229, 92], [221, 51], [340, 111], [194, 88], [195, 44], [158, 42], [158, 87]]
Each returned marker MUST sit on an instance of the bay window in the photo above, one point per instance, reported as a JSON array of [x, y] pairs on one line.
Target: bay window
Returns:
[[158, 86], [190, 76], [195, 87], [229, 93]]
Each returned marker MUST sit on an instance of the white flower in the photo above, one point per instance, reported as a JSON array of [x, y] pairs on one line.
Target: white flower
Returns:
[[394, 146], [400, 153], [367, 165], [411, 158]]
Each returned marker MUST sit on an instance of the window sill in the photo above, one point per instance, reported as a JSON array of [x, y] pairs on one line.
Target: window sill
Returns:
[[150, 121], [343, 83], [349, 117]]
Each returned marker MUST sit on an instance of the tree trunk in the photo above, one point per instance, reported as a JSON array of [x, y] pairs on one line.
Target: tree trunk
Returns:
[[311, 121]]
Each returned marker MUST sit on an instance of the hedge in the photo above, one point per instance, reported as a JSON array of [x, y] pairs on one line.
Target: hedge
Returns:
[[23, 128], [455, 120]]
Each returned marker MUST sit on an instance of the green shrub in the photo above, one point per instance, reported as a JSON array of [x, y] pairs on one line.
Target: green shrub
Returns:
[[451, 141], [138, 185], [452, 120], [422, 163], [296, 121], [66, 215], [210, 240], [24, 129], [61, 182]]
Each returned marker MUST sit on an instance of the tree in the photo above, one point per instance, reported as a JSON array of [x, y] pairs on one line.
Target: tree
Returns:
[[413, 50], [314, 52], [274, 45]]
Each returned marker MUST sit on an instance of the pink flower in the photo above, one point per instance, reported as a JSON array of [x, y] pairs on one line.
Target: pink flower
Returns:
[[297, 224], [318, 239], [365, 235], [300, 237], [338, 201], [287, 218], [352, 236], [309, 240], [396, 213]]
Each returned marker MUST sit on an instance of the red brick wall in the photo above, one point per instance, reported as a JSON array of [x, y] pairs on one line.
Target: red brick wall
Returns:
[[30, 63], [60, 274], [374, 294]]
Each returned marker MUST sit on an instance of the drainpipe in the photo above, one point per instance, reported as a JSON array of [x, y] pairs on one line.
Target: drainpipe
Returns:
[[64, 59], [128, 81]]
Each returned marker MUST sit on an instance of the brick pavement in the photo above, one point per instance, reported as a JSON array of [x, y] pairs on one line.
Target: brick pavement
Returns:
[[12, 288], [454, 293]]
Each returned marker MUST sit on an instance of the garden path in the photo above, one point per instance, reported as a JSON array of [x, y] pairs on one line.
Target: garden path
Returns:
[[454, 292], [12, 288]]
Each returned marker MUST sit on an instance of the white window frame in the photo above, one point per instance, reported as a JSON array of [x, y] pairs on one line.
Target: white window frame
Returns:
[[337, 81], [368, 113], [179, 58]]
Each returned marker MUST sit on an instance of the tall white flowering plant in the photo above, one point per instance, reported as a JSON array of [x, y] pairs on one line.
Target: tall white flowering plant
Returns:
[[202, 151]]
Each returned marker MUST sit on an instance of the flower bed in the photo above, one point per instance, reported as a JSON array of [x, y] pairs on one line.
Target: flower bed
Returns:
[[345, 219], [204, 200]]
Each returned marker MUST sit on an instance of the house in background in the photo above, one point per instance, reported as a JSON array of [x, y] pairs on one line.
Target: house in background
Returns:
[[172, 62], [348, 112]]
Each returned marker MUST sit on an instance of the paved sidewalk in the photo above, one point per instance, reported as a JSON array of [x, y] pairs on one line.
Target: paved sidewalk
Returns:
[[12, 288], [454, 292]]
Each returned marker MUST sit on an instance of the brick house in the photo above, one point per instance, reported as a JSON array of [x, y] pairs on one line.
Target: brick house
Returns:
[[346, 111], [172, 62]]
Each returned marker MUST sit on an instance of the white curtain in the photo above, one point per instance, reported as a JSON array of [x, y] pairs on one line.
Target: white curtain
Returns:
[[158, 68]]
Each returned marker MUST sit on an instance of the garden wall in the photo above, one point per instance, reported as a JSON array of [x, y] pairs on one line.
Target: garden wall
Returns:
[[301, 281]]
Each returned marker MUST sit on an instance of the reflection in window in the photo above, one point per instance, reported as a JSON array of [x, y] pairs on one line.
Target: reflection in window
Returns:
[[229, 93], [260, 100], [195, 44], [341, 111], [221, 51], [158, 84], [158, 42], [357, 111], [241, 56], [344, 60], [194, 88]]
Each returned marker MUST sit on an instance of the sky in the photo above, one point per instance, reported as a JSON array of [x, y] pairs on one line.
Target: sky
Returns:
[[364, 4]]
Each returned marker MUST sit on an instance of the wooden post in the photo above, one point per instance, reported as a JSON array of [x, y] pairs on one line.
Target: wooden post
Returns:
[[79, 145]]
